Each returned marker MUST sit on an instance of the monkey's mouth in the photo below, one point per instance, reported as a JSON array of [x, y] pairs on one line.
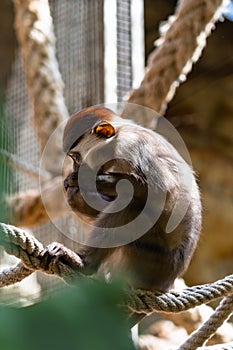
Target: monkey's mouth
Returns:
[[106, 185], [104, 181]]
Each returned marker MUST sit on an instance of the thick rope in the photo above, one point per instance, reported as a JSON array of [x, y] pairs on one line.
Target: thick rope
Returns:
[[24, 246], [202, 335], [34, 29], [177, 301], [182, 41], [21, 244], [227, 346], [14, 274], [154, 346], [35, 33], [27, 248], [31, 252], [27, 208]]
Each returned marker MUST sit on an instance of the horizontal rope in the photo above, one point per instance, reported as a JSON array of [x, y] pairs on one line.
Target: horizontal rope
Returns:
[[13, 274], [142, 301], [32, 253], [26, 247]]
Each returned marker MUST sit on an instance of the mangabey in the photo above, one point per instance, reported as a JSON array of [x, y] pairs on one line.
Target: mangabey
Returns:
[[110, 149]]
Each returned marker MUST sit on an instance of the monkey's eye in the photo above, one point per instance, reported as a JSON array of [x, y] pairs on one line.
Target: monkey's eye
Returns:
[[103, 129], [76, 156]]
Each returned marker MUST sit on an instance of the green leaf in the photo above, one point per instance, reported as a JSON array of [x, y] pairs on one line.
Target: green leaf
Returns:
[[84, 317]]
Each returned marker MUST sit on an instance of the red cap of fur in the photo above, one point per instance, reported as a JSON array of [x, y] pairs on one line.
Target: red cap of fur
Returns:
[[81, 122]]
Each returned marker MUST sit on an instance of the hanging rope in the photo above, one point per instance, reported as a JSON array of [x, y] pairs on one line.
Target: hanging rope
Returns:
[[27, 208], [167, 66], [202, 335], [180, 45], [34, 29]]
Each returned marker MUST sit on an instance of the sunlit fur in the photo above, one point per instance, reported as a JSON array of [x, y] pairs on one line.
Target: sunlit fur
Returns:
[[154, 260]]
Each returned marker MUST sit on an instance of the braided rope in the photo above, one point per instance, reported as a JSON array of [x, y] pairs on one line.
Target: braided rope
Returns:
[[21, 244], [14, 274], [209, 328], [227, 346], [34, 29], [24, 246], [141, 301], [45, 85], [181, 44]]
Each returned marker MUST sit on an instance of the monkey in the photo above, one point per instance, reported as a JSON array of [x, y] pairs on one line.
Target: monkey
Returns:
[[131, 186]]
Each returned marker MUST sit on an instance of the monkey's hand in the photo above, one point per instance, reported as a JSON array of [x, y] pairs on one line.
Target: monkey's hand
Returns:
[[57, 252], [75, 198], [99, 190], [103, 188]]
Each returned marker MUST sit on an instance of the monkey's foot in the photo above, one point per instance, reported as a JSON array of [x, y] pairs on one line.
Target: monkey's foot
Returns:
[[56, 252]]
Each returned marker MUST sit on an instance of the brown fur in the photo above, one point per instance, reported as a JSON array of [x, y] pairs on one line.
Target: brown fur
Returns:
[[151, 164]]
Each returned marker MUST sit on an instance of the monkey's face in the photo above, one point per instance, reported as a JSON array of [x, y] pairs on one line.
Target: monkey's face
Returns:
[[90, 145], [103, 148], [97, 155]]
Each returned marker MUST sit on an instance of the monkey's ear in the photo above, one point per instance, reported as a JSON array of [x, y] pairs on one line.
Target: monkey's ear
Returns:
[[103, 129]]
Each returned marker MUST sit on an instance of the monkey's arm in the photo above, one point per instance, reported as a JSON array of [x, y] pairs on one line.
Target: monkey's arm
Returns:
[[88, 259], [105, 188]]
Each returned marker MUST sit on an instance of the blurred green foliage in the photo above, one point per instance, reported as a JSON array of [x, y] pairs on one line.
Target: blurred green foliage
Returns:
[[7, 143], [2, 178], [85, 317]]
